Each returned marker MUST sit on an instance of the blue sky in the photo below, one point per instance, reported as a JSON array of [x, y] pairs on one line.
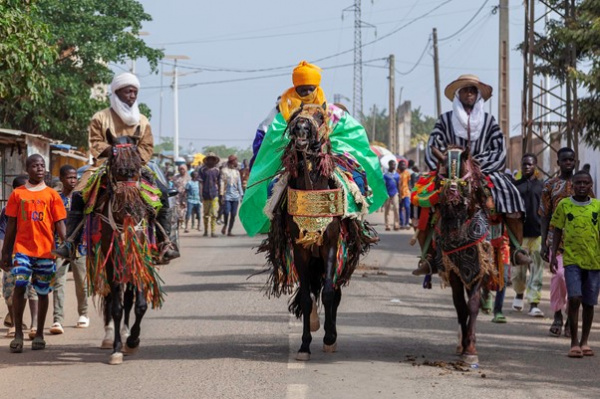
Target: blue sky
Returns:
[[224, 37]]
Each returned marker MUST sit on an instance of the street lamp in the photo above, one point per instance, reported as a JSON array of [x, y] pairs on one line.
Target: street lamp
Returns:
[[132, 69], [176, 102]]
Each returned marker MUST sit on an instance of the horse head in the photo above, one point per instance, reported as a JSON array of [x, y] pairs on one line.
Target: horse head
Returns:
[[124, 160], [308, 128], [460, 184]]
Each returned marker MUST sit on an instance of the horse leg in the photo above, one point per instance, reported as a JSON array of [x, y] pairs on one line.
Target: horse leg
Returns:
[[132, 344], [127, 306], [462, 310], [302, 260], [315, 290], [470, 352], [117, 314], [328, 297], [109, 326]]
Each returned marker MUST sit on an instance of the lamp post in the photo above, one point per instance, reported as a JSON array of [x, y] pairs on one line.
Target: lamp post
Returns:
[[176, 103], [132, 68]]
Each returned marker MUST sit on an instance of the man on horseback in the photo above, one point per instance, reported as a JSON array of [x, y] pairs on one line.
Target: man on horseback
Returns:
[[122, 118], [347, 137], [468, 126]]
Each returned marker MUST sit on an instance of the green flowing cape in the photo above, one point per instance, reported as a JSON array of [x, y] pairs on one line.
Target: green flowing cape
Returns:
[[347, 136]]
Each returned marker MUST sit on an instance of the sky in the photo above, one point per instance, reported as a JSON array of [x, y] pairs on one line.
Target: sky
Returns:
[[241, 56]]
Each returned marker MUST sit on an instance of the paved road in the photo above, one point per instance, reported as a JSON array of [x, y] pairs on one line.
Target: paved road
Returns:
[[217, 336]]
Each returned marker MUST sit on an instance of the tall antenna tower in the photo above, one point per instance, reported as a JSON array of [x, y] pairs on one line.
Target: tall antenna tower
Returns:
[[357, 97]]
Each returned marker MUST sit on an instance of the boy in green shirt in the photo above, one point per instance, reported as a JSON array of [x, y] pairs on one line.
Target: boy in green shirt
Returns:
[[575, 221]]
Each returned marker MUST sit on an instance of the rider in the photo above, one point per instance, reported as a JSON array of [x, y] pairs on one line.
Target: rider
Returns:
[[467, 125], [122, 118], [347, 136]]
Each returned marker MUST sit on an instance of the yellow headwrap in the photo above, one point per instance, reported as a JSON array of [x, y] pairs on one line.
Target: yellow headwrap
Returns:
[[306, 74], [303, 74]]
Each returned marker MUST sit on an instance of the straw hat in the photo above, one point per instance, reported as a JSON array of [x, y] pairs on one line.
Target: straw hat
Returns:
[[212, 155], [466, 81]]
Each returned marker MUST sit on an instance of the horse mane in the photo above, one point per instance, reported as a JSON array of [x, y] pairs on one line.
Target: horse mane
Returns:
[[125, 158]]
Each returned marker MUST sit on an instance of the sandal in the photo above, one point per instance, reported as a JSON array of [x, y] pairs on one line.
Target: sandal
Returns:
[[38, 343], [11, 332], [16, 345], [556, 328], [8, 320], [499, 318], [575, 352], [586, 350]]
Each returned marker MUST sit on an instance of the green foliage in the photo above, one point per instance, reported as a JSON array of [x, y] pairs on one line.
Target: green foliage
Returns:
[[86, 36], [223, 151], [421, 126], [376, 123], [24, 53], [581, 35]]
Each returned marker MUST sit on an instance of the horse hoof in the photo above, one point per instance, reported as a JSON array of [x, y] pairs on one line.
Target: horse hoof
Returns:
[[330, 348], [470, 359], [106, 344], [315, 323], [116, 358], [303, 356], [128, 351]]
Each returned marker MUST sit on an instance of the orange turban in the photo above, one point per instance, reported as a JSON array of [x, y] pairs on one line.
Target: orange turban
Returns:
[[306, 74]]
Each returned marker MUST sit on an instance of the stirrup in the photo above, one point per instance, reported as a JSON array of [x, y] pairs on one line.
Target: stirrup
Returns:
[[423, 269], [66, 250], [521, 257]]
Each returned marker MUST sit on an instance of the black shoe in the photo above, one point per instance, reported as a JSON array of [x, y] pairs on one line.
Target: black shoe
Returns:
[[171, 254]]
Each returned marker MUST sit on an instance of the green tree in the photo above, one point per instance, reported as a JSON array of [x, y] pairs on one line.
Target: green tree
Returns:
[[579, 34], [421, 126], [376, 123], [24, 54], [88, 34]]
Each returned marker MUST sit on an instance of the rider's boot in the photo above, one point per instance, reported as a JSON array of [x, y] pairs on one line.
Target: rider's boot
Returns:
[[67, 249], [168, 248], [518, 255], [425, 265]]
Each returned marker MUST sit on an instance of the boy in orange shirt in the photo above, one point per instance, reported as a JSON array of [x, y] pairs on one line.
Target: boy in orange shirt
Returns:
[[34, 212]]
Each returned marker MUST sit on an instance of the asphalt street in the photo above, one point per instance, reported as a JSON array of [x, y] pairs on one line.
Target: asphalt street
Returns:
[[218, 336]]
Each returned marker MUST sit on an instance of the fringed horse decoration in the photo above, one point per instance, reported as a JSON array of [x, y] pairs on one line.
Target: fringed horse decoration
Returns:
[[121, 203], [313, 245], [463, 252]]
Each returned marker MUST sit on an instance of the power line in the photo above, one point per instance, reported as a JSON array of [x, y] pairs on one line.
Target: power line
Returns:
[[465, 25], [418, 61], [287, 67]]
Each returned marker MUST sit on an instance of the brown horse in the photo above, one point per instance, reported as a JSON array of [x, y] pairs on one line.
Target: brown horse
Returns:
[[120, 260], [463, 253], [310, 243]]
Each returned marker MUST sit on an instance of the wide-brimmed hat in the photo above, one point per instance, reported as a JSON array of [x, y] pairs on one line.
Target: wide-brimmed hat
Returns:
[[232, 158], [212, 155], [466, 81]]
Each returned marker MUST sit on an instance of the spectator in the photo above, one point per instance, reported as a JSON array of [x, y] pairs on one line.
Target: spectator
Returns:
[[231, 192], [404, 195], [392, 182]]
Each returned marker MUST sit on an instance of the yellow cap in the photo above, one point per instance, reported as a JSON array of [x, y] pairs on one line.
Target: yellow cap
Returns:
[[306, 74]]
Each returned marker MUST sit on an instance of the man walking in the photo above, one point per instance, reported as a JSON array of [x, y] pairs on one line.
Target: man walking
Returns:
[[530, 188], [404, 195], [392, 181], [231, 193], [209, 178]]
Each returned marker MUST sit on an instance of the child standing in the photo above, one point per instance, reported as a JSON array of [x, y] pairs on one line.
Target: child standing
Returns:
[[34, 211], [575, 222]]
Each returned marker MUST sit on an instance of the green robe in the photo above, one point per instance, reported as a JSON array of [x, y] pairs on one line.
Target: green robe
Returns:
[[347, 136]]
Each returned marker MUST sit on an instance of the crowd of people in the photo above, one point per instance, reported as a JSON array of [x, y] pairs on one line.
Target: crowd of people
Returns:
[[214, 190]]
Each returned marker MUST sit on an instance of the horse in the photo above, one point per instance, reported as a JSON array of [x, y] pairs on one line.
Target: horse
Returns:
[[120, 244], [463, 254], [310, 243]]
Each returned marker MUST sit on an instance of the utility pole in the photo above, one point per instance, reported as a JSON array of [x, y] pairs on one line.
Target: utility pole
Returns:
[[160, 107], [436, 70], [503, 78], [357, 98], [392, 136], [176, 103]]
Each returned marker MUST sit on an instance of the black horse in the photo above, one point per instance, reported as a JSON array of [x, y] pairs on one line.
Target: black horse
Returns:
[[121, 265], [310, 243]]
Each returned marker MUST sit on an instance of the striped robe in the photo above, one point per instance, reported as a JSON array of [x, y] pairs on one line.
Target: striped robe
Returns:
[[489, 150]]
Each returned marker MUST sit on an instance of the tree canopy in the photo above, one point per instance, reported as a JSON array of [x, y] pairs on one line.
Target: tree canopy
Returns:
[[63, 48], [579, 32]]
